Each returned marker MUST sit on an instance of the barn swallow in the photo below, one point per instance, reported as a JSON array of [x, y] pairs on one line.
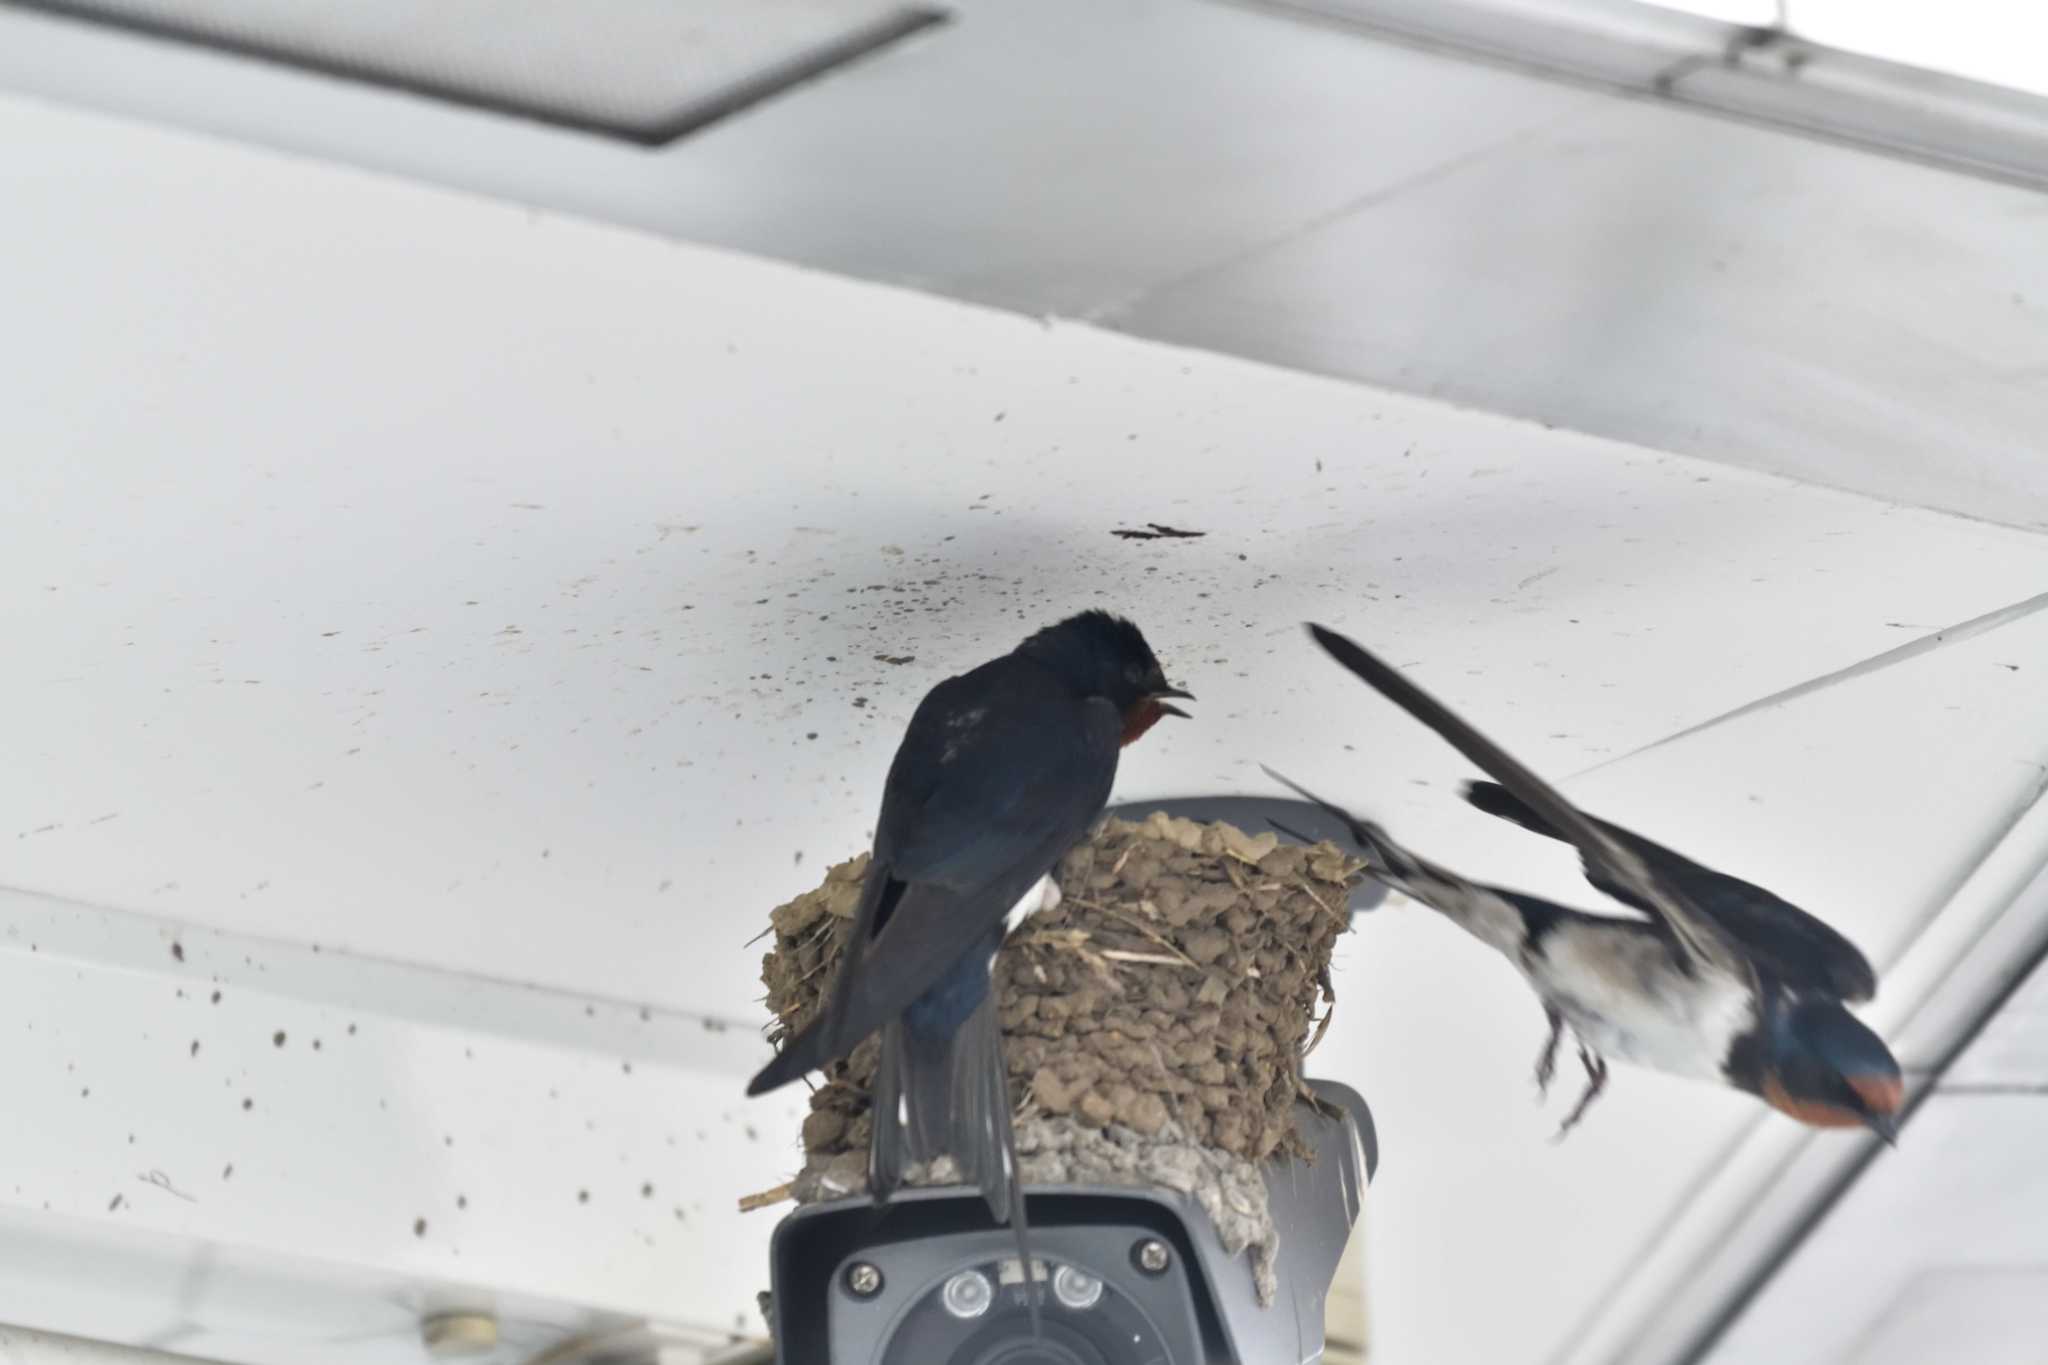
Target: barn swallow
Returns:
[[1723, 981], [1002, 770]]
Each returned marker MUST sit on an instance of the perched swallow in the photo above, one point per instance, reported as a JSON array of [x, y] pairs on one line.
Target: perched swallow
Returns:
[[1723, 982], [1002, 770]]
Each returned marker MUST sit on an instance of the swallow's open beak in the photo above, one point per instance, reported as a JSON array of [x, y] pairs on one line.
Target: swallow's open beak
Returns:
[[1167, 708]]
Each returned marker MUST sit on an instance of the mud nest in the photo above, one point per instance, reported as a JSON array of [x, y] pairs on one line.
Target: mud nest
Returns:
[[1154, 1022]]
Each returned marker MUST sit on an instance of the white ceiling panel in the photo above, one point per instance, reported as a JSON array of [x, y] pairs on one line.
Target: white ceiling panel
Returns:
[[405, 572], [2012, 1051], [1936, 1254], [1985, 1317]]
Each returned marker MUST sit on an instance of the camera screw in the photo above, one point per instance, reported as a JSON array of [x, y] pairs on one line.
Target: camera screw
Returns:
[[863, 1281], [1152, 1256]]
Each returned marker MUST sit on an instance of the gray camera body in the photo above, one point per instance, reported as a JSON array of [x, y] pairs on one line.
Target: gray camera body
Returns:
[[1131, 1275]]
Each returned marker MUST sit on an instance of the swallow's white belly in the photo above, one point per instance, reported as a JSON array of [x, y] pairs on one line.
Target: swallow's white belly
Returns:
[[1626, 997], [1044, 895]]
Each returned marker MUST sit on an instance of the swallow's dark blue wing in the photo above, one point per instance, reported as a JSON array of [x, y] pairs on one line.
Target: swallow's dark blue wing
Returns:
[[1783, 939], [1001, 771], [1699, 934], [995, 764]]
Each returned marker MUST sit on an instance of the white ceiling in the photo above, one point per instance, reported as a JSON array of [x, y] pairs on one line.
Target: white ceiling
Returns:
[[424, 578], [1314, 198], [444, 580]]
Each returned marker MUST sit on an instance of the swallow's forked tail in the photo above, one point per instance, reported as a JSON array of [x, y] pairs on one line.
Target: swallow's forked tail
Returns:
[[1503, 804], [1385, 860], [947, 1095], [1481, 911], [803, 1052]]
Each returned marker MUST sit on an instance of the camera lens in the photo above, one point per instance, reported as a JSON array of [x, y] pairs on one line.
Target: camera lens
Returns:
[[1042, 1352], [1076, 1288], [968, 1294]]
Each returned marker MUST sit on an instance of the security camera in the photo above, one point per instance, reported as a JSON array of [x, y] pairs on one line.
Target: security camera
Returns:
[[1121, 1275]]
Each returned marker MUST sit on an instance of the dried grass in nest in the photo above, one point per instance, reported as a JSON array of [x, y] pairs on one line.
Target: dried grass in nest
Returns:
[[1177, 982]]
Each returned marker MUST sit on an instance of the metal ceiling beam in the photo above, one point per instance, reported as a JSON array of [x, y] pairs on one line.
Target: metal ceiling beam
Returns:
[[1763, 75]]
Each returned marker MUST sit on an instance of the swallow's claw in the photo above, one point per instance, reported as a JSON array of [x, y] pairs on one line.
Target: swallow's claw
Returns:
[[1546, 1061], [1596, 1071]]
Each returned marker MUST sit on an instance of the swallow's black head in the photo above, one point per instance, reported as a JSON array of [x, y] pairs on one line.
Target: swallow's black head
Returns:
[[1827, 1069], [1102, 655]]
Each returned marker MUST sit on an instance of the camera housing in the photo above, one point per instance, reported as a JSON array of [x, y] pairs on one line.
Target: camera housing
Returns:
[[1126, 1275]]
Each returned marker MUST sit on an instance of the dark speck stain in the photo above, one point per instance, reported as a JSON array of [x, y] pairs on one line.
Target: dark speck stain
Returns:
[[419, 1227], [247, 1105], [195, 1047], [462, 1202], [583, 1196], [647, 1192], [228, 1172], [116, 1204], [277, 1038], [216, 997], [177, 950]]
